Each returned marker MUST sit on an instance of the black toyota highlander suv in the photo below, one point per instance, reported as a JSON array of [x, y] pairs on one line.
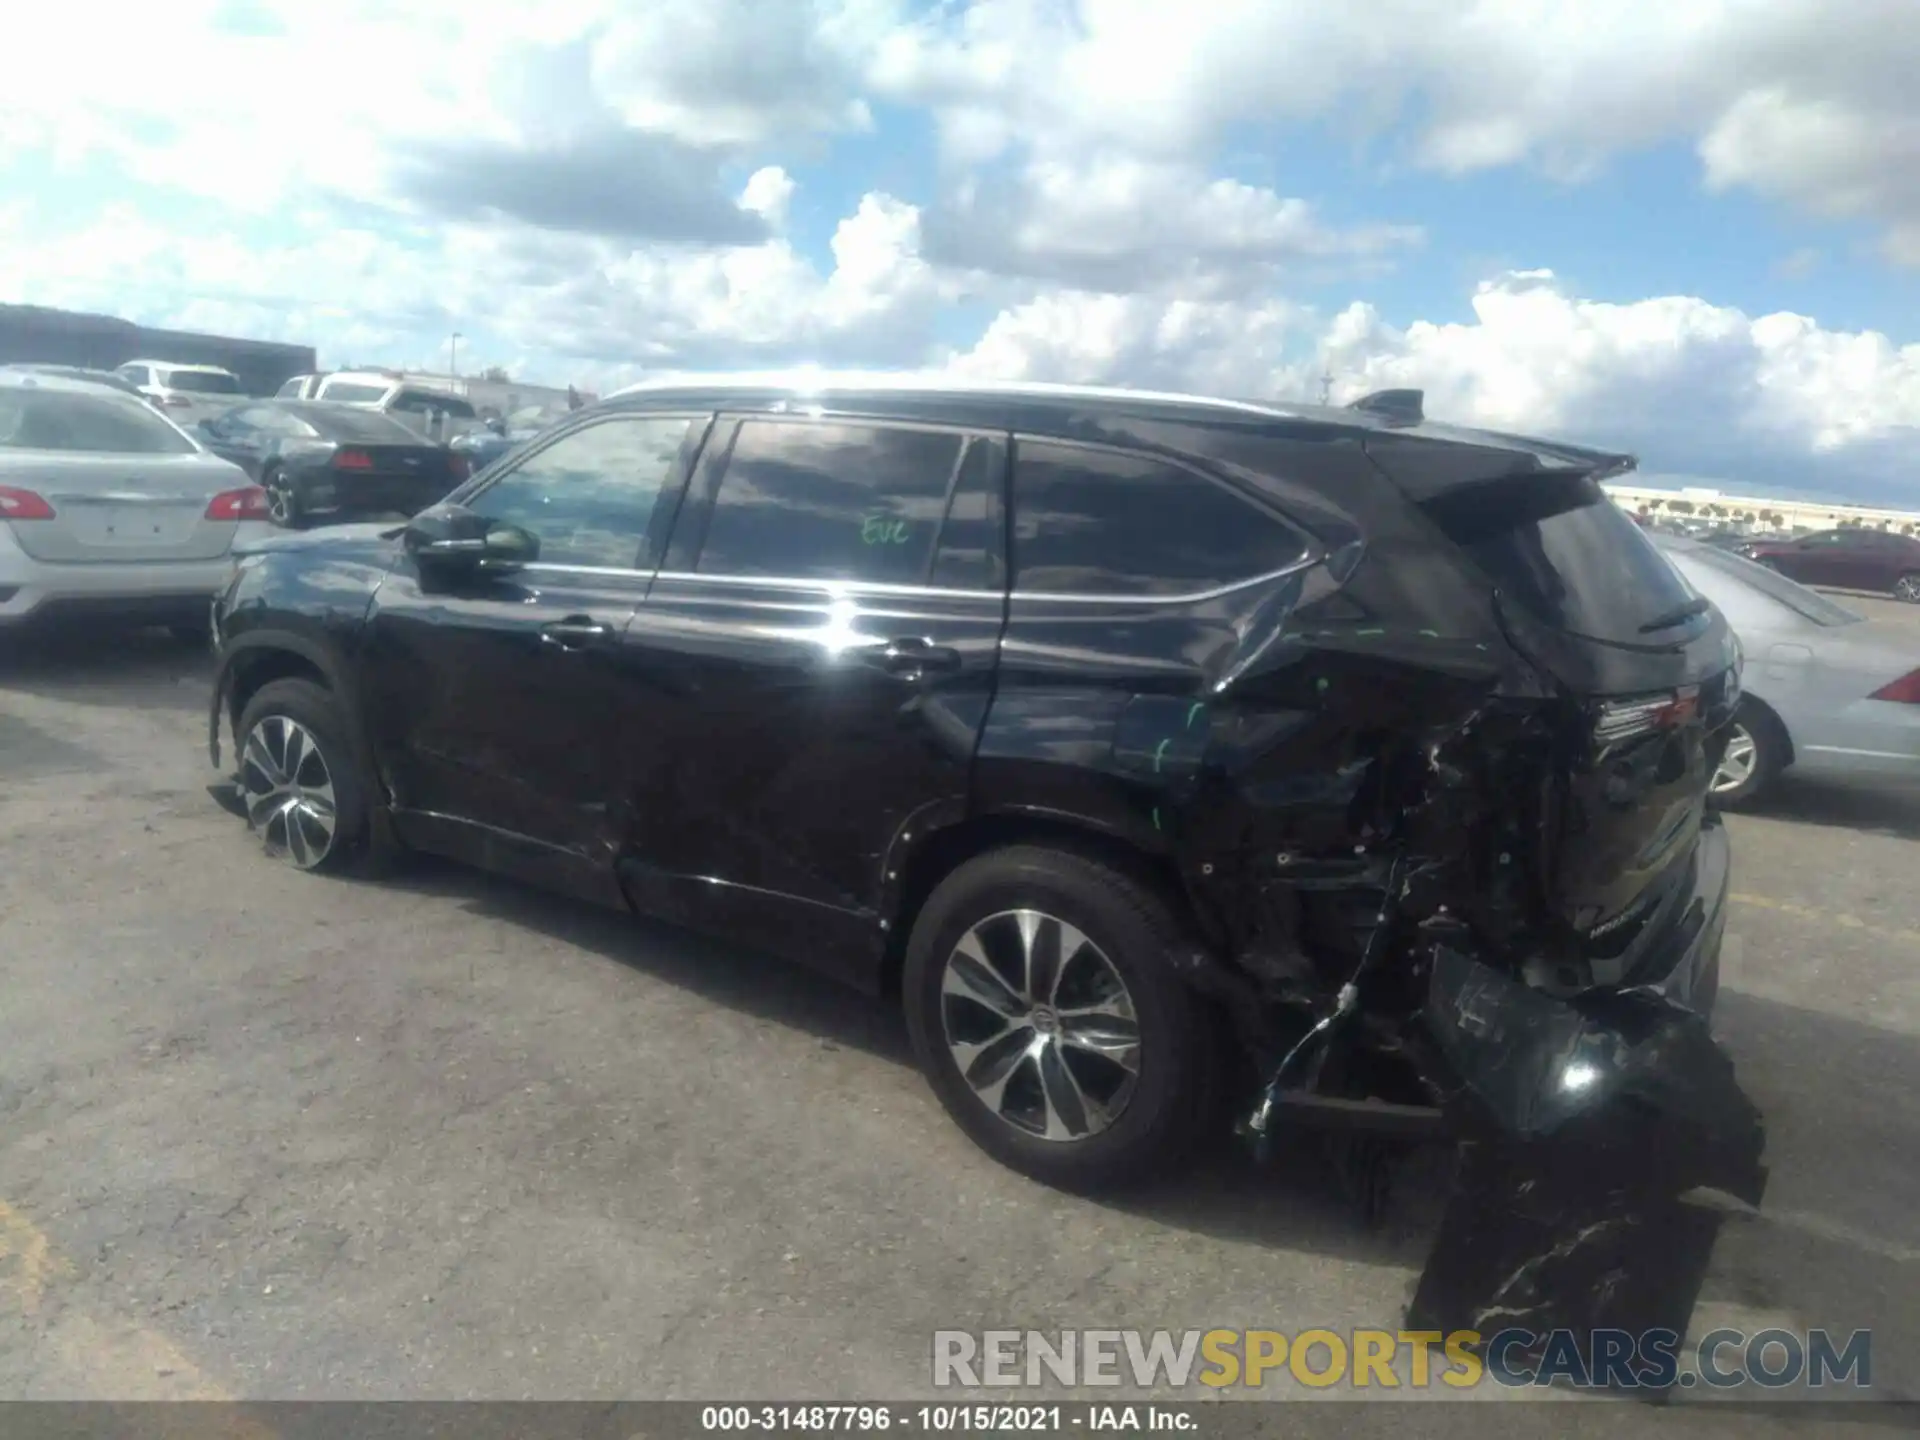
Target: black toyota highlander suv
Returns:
[[1156, 751]]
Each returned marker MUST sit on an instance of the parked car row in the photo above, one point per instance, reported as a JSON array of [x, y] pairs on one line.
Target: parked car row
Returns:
[[1828, 692]]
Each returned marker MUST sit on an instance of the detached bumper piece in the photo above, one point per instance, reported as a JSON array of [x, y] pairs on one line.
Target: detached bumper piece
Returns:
[[1598, 1141]]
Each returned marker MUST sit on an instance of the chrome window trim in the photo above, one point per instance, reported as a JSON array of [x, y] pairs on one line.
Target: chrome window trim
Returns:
[[875, 587], [862, 587], [550, 568], [1190, 597], [880, 588]]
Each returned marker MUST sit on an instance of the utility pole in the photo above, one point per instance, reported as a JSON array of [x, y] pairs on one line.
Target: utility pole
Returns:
[[453, 359], [1326, 387]]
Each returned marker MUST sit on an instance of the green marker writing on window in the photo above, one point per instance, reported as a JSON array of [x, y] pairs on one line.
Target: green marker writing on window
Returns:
[[882, 530]]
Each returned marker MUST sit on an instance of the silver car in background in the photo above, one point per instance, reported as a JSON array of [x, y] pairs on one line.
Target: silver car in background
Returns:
[[186, 393], [110, 510], [1827, 691]]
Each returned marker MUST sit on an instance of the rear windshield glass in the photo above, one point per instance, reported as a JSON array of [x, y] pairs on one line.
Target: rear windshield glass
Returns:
[[203, 382], [1775, 586], [344, 422], [101, 423], [422, 403], [1554, 543], [355, 394]]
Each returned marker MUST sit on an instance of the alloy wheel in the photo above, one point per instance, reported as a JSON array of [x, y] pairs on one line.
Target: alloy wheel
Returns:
[[1908, 588], [288, 789], [1737, 766], [1041, 1026], [279, 503]]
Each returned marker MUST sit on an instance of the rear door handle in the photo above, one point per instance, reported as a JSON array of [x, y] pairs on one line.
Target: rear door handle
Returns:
[[576, 632], [911, 656]]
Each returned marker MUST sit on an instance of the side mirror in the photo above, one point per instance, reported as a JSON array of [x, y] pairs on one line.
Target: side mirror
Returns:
[[208, 429], [450, 539]]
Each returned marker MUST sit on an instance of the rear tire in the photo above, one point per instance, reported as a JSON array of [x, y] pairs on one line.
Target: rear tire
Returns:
[[1063, 1044], [300, 777], [1907, 588], [1756, 753], [283, 502]]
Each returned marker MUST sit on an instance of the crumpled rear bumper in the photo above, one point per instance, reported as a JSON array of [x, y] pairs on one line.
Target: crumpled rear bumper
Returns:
[[1600, 1141]]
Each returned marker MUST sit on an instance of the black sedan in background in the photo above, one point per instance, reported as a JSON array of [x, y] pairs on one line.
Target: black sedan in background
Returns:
[[342, 462]]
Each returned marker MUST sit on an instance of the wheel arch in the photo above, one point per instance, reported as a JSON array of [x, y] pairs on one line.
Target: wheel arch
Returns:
[[255, 658], [947, 848], [1779, 726]]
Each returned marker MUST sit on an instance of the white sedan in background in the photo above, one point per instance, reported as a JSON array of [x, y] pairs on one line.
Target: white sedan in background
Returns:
[[1827, 691], [109, 510]]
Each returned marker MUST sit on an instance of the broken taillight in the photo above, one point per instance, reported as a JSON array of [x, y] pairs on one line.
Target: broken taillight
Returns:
[[1904, 691]]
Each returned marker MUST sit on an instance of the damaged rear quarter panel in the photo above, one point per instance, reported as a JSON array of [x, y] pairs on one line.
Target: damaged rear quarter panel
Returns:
[[1268, 742]]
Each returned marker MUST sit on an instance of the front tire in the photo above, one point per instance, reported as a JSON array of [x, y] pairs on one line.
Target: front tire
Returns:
[[1045, 1016], [1756, 753], [1907, 588], [300, 778]]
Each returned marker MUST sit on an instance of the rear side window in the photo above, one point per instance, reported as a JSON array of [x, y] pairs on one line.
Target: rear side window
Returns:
[[1553, 542], [371, 427], [203, 382], [1090, 521], [349, 393], [825, 500], [973, 541], [420, 403]]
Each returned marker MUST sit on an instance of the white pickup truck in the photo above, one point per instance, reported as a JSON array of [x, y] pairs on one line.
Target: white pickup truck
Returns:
[[434, 413]]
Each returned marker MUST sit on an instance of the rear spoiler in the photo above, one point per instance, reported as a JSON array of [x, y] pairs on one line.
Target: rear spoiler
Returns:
[[1405, 409], [1396, 407]]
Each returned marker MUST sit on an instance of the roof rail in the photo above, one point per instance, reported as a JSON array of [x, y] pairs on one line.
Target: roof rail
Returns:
[[1396, 407]]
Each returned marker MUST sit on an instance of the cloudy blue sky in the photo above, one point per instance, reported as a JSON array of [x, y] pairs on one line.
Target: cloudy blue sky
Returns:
[[1687, 227]]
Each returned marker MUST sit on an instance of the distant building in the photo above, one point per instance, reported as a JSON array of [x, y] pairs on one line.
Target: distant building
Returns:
[[1758, 512], [102, 342]]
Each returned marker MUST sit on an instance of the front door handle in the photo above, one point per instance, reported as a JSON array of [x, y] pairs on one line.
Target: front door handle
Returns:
[[911, 656], [576, 632]]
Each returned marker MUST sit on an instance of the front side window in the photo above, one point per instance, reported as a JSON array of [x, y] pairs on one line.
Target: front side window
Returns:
[[136, 373], [590, 496], [91, 423], [828, 500], [291, 389], [1089, 521]]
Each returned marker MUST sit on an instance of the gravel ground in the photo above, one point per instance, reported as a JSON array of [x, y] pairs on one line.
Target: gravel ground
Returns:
[[269, 1135]]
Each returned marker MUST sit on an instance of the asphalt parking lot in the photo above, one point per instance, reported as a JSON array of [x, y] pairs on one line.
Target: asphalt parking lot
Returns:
[[269, 1135]]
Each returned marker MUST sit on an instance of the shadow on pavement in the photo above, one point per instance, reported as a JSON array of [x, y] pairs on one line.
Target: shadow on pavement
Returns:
[[91, 665]]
